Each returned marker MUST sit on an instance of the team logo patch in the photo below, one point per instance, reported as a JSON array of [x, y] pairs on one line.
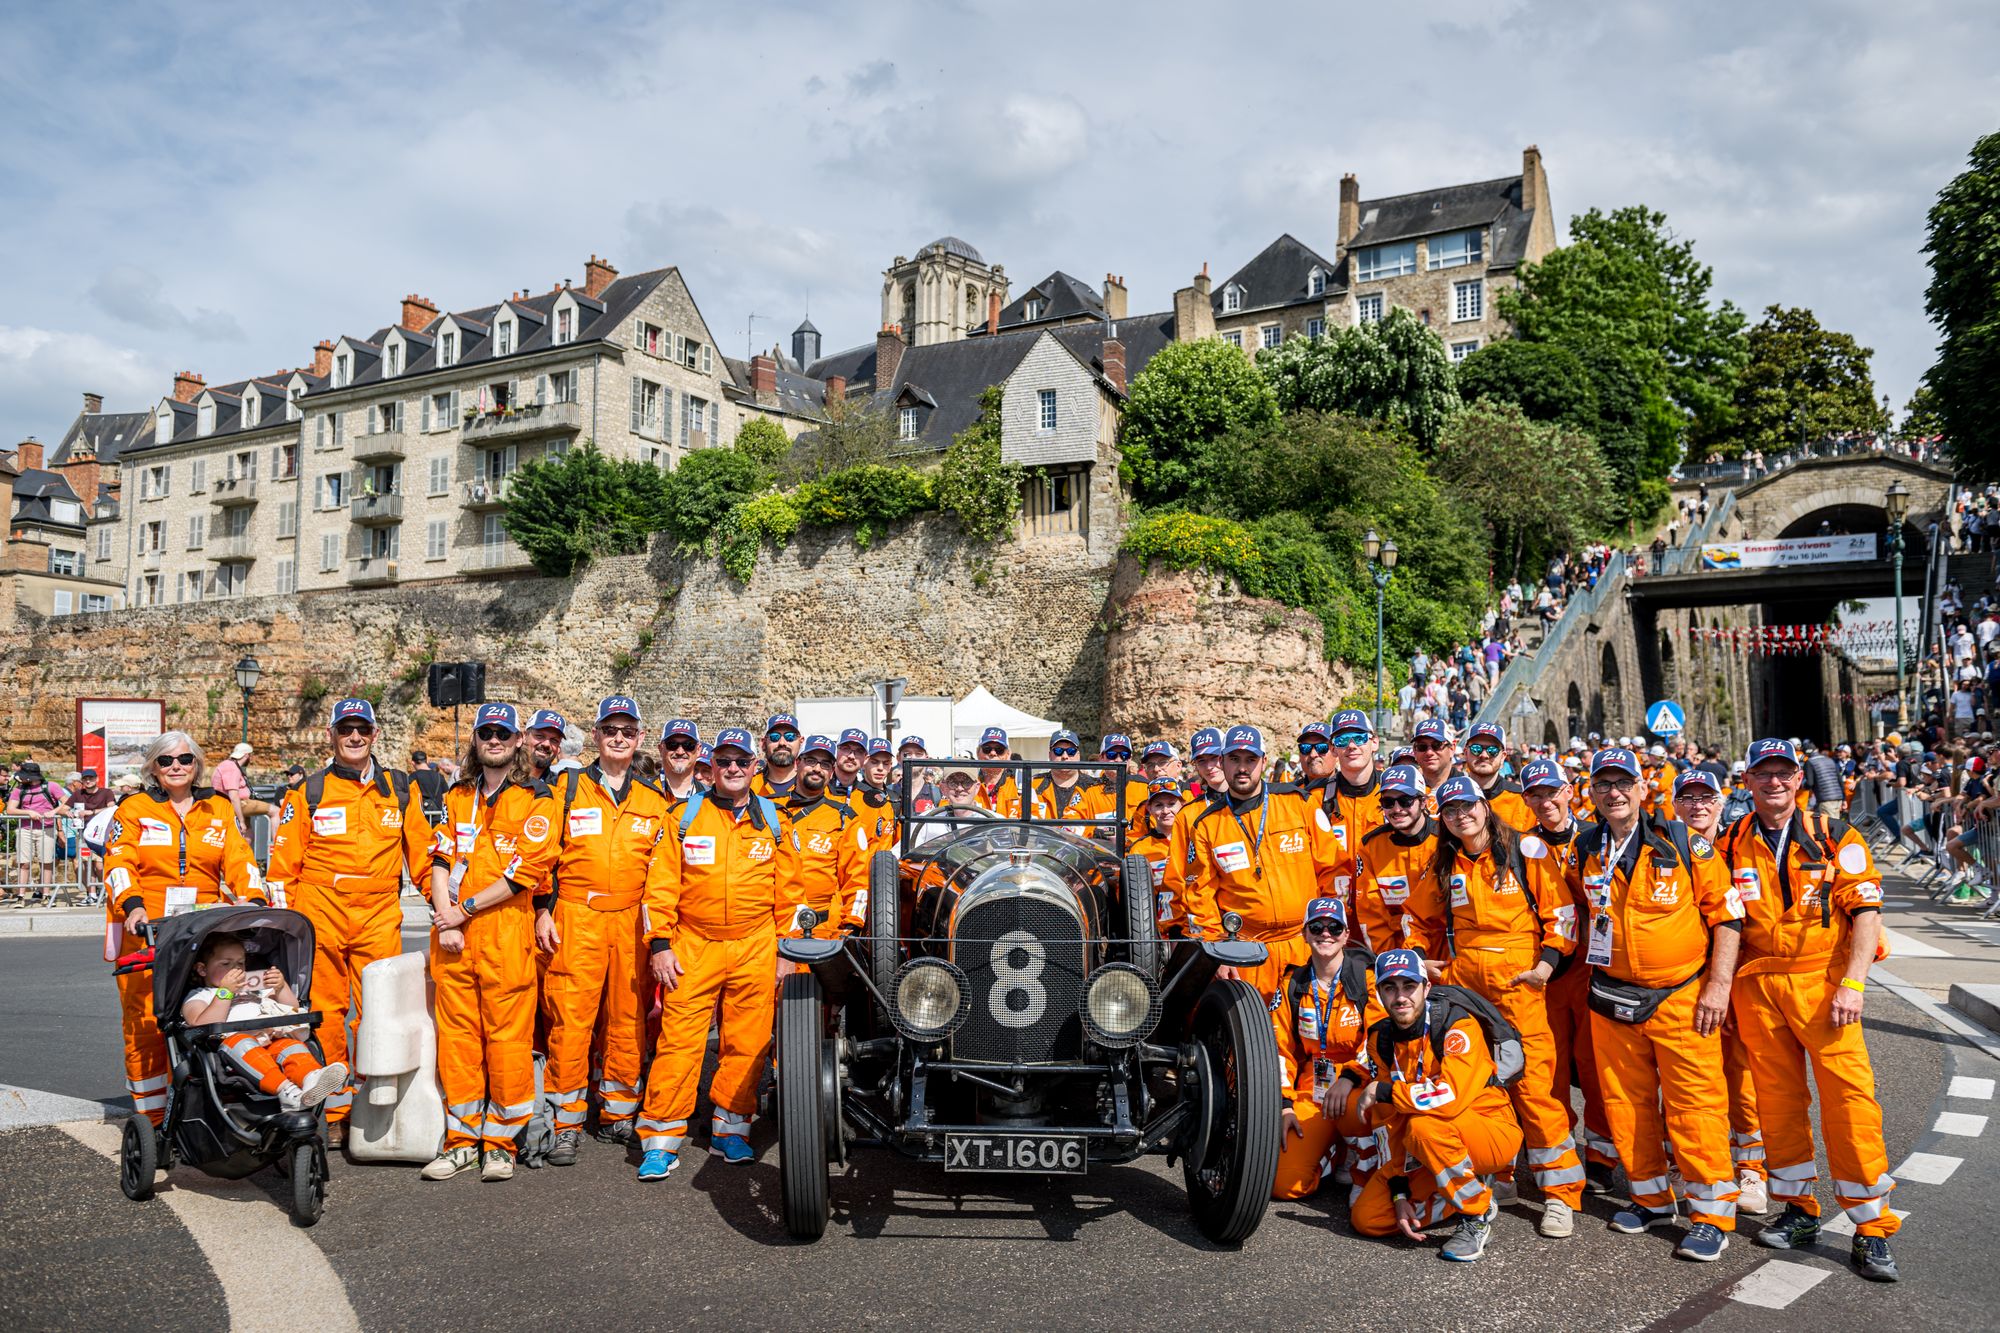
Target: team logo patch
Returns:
[[1457, 1043], [1292, 840], [1702, 846], [535, 828], [392, 819], [213, 835]]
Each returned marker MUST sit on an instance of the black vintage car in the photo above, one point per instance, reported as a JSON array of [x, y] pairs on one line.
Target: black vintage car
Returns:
[[1009, 1006]]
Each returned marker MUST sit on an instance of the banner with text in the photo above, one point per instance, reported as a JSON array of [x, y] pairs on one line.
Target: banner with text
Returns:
[[1843, 549], [112, 733]]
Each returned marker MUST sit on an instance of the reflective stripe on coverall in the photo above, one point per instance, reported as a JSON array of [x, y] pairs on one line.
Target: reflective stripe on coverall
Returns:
[[1321, 1025]]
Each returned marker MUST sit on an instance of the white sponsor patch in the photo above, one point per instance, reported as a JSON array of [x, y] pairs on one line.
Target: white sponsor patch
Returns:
[[1854, 858], [1232, 856], [586, 823], [154, 833], [330, 821], [698, 850], [1395, 889]]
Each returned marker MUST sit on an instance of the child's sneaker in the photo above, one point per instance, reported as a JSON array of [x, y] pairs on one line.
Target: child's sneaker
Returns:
[[291, 1097], [322, 1084]]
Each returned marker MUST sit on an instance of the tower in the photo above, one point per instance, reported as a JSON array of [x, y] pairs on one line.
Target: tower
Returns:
[[805, 344], [941, 294]]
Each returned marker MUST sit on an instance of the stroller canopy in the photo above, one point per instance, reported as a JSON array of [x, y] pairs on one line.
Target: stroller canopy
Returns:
[[272, 937]]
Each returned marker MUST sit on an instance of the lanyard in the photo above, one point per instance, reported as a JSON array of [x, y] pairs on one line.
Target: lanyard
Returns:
[[1257, 844], [1396, 1071], [1323, 1004]]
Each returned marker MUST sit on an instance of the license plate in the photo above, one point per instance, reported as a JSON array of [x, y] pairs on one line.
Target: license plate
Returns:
[[1042, 1154]]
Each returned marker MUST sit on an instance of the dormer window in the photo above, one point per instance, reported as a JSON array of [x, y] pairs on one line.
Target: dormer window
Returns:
[[342, 370], [503, 337], [565, 325], [1232, 299], [163, 426], [292, 396], [252, 409], [204, 418], [392, 360], [1316, 282], [448, 348], [1032, 308]]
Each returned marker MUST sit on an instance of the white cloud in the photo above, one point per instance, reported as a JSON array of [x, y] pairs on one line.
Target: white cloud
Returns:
[[44, 372], [138, 297]]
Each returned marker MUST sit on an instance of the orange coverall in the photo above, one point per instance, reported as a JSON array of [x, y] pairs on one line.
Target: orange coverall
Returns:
[[1500, 927], [714, 897], [1568, 1001], [1799, 923], [1264, 858], [1003, 798], [830, 859], [1448, 1128], [1508, 803], [605, 846], [1661, 916], [1391, 864], [150, 851], [484, 995], [875, 807], [1320, 1029], [1176, 880], [342, 867], [1354, 812], [1157, 851]]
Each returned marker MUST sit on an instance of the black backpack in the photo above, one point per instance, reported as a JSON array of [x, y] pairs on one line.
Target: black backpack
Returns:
[[387, 781], [1444, 1007]]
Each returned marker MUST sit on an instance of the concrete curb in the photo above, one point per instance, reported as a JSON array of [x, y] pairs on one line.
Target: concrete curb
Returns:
[[1980, 1003]]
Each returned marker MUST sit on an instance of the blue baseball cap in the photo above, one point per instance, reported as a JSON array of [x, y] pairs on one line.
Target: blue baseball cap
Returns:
[[1206, 742], [1491, 731], [1243, 738], [993, 736], [618, 705], [909, 741], [1541, 773], [1115, 741], [1402, 780], [1157, 750], [733, 738], [854, 736], [1613, 758], [1326, 909], [1399, 965], [704, 755], [1774, 747], [877, 745], [352, 710], [1352, 719], [1322, 730], [1163, 787], [1065, 737], [814, 743], [548, 718], [1400, 755], [1697, 777], [1453, 791], [497, 715], [681, 726], [1432, 729], [778, 720]]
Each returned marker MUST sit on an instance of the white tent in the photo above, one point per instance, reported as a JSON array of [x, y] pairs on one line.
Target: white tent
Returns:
[[979, 710]]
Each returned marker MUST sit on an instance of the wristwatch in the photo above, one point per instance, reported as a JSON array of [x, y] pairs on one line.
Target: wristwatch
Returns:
[[224, 993], [469, 904]]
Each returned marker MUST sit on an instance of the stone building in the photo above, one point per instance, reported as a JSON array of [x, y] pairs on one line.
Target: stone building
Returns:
[[390, 457], [941, 294], [46, 565], [1279, 294]]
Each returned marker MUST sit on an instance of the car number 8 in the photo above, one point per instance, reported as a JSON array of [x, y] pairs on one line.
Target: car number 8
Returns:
[[1008, 979]]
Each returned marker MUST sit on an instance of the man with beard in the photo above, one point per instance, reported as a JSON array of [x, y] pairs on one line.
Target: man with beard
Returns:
[[781, 758]]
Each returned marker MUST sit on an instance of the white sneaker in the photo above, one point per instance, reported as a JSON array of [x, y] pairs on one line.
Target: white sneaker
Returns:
[[323, 1083], [290, 1096], [450, 1162], [1558, 1219], [498, 1165], [1753, 1196]]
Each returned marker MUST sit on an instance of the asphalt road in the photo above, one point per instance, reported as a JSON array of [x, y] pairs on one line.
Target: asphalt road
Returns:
[[907, 1248]]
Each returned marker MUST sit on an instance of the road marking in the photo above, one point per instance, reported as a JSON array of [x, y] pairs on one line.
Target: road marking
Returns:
[[1840, 1224], [272, 1276], [1905, 946], [1961, 1123], [1979, 1089], [1777, 1284], [1927, 1168]]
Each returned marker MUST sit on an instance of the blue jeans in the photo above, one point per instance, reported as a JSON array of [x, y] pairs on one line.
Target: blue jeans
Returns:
[[1886, 812]]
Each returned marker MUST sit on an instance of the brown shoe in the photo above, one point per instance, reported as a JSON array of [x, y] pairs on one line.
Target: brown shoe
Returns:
[[336, 1134]]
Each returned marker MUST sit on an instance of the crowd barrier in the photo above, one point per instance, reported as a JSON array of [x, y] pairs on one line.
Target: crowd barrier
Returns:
[[44, 859]]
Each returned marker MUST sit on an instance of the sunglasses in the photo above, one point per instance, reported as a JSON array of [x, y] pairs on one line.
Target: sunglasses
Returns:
[[781, 735], [1315, 747], [680, 747], [1063, 752], [353, 729], [1117, 756], [1325, 927], [992, 751], [721, 762], [1398, 802], [175, 761], [629, 733], [1482, 748], [493, 734], [1350, 740], [1427, 747]]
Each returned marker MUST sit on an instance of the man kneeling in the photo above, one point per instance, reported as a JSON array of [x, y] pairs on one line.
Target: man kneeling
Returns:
[[1445, 1125]]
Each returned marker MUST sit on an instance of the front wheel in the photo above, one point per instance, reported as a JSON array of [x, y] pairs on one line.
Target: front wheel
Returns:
[[882, 921], [1234, 1160], [308, 1170], [1142, 917], [138, 1158], [802, 1126]]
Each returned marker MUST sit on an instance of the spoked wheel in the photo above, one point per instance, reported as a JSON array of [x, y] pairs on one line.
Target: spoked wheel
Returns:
[[1232, 1155], [1142, 918], [308, 1171], [802, 1116], [138, 1158]]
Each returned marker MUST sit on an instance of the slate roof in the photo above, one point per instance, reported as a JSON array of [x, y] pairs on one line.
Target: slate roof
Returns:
[[105, 434], [1063, 297], [1405, 217], [798, 395], [35, 492], [855, 365], [1277, 276]]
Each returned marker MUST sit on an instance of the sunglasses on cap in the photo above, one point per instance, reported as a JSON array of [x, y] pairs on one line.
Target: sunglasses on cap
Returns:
[[1324, 926], [781, 735], [1350, 740], [1482, 747], [175, 761], [1314, 747], [493, 734], [1063, 752], [1398, 802]]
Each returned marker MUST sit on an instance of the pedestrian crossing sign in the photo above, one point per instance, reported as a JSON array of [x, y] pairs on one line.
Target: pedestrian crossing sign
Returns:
[[1665, 719]]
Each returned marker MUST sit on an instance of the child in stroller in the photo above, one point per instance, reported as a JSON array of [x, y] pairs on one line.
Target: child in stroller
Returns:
[[275, 1058]]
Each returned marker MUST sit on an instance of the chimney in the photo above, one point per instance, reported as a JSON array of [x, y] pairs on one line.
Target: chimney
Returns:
[[1350, 209], [418, 313], [836, 388], [93, 403], [764, 378], [28, 454], [1114, 362], [1194, 313], [188, 386], [597, 275], [322, 365], [1534, 182], [888, 355], [993, 312], [81, 474], [1114, 297]]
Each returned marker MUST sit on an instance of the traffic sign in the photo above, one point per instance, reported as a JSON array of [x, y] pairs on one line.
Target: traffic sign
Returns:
[[1665, 719]]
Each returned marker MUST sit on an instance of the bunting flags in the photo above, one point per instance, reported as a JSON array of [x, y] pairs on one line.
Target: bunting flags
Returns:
[[1866, 638]]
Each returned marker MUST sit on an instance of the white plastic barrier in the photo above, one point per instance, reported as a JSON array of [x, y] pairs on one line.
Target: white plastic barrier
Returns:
[[398, 1111]]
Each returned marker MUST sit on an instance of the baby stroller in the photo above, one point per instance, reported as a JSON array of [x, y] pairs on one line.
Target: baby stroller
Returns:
[[218, 1120]]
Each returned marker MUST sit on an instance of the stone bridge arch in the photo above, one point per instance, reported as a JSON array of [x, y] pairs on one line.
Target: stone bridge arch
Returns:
[[1795, 497]]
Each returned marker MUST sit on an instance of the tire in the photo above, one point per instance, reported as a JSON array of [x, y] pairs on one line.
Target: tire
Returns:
[[138, 1158], [308, 1171], [1229, 1188], [882, 923], [1142, 921], [801, 1052]]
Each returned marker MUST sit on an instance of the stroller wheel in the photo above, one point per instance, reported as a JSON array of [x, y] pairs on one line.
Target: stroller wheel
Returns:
[[138, 1158], [308, 1172]]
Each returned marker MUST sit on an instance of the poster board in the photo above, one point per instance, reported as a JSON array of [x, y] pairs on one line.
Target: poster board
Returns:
[[111, 734]]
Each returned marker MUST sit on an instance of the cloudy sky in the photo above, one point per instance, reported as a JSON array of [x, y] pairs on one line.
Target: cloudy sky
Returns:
[[217, 186]]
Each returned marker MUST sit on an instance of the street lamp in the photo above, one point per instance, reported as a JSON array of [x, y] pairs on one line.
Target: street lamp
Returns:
[[1896, 502], [247, 672], [1382, 561]]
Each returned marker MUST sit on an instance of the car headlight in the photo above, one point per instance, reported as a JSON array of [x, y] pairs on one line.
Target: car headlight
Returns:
[[929, 999], [1121, 1005]]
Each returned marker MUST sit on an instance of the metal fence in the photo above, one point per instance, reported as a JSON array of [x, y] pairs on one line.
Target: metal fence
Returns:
[[45, 862]]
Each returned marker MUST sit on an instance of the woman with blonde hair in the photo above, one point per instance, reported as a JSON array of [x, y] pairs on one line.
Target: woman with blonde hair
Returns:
[[174, 846]]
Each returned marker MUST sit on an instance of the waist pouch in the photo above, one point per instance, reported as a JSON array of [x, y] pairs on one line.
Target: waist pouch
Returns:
[[1627, 1002]]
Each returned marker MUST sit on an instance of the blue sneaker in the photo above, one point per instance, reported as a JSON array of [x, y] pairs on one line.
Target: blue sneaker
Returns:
[[734, 1149], [658, 1164], [1704, 1243], [1632, 1219]]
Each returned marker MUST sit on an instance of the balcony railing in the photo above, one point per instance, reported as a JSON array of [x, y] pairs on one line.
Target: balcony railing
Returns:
[[496, 557], [233, 491], [230, 549], [374, 510], [382, 447], [366, 571], [521, 422], [486, 492]]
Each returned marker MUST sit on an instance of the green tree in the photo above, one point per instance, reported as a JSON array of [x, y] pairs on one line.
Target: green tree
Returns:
[[1188, 394], [1920, 415], [1547, 381], [1802, 382], [565, 509], [855, 432], [1393, 369], [1538, 487], [700, 493], [1963, 300], [763, 440], [974, 484]]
